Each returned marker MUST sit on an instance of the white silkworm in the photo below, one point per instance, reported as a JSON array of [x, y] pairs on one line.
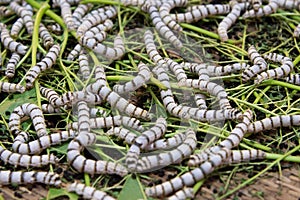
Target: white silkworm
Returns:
[[79, 12], [107, 122], [176, 155], [123, 134], [293, 78], [41, 66], [25, 13], [259, 64], [37, 146], [189, 178], [48, 108], [263, 11], [186, 192], [9, 43], [100, 28], [88, 192], [196, 13], [55, 28], [16, 27], [169, 143], [47, 39], [84, 68], [66, 13], [17, 159], [36, 115], [75, 52], [11, 87], [19, 177], [274, 122], [200, 101], [81, 164], [141, 78], [286, 67], [177, 69], [11, 65], [238, 156], [230, 19], [256, 4]]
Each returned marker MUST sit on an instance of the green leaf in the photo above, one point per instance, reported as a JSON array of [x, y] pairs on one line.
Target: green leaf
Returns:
[[54, 193], [132, 190]]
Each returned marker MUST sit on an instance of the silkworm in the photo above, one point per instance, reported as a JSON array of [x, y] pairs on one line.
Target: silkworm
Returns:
[[168, 143], [81, 164], [164, 11], [238, 156], [107, 25], [230, 19], [79, 12], [95, 19], [263, 11], [25, 14], [66, 13], [122, 133], [177, 69], [37, 146], [55, 28], [16, 27], [47, 39], [274, 122], [189, 178], [161, 27], [286, 67], [107, 122], [17, 159], [176, 155], [48, 108], [141, 78], [84, 68], [186, 192], [196, 13], [75, 52], [35, 113], [11, 87], [9, 43], [200, 101], [256, 4], [53, 98], [293, 78], [19, 177], [11, 65], [259, 64], [297, 31], [88, 192], [43, 65]]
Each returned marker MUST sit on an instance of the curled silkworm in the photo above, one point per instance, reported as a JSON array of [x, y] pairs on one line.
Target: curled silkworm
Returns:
[[186, 192], [16, 27], [11, 87], [177, 69], [88, 192], [123, 134], [44, 64], [84, 65], [176, 155], [75, 52], [169, 143], [11, 65], [189, 178], [107, 122], [37, 146], [81, 164], [107, 25], [25, 13], [259, 64], [196, 13], [9, 43], [47, 39], [238, 156], [19, 177], [53, 98], [274, 122], [200, 101], [229, 20], [35, 114], [66, 13], [263, 11], [286, 67], [17, 159], [293, 78], [141, 78]]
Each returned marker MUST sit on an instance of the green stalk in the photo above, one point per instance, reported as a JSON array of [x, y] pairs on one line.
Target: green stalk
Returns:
[[280, 83], [107, 2]]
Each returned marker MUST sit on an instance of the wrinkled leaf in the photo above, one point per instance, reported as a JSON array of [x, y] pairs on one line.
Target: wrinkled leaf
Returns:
[[132, 190], [54, 193]]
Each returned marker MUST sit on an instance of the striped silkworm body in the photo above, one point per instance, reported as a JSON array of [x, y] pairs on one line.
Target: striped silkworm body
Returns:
[[256, 4], [35, 114], [48, 108], [177, 69], [200, 100], [84, 67], [11, 65], [37, 146], [25, 13], [238, 156], [9, 43], [196, 13], [263, 11], [20, 177], [55, 28], [286, 67], [75, 52], [168, 143], [54, 99], [79, 12], [274, 122], [16, 27], [81, 164], [11, 87], [293, 78], [151, 162], [88, 192], [92, 32], [17, 159], [66, 13], [5, 11], [189, 178], [141, 78], [122, 133], [186, 192], [259, 64], [47, 39], [230, 19], [41, 66]]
